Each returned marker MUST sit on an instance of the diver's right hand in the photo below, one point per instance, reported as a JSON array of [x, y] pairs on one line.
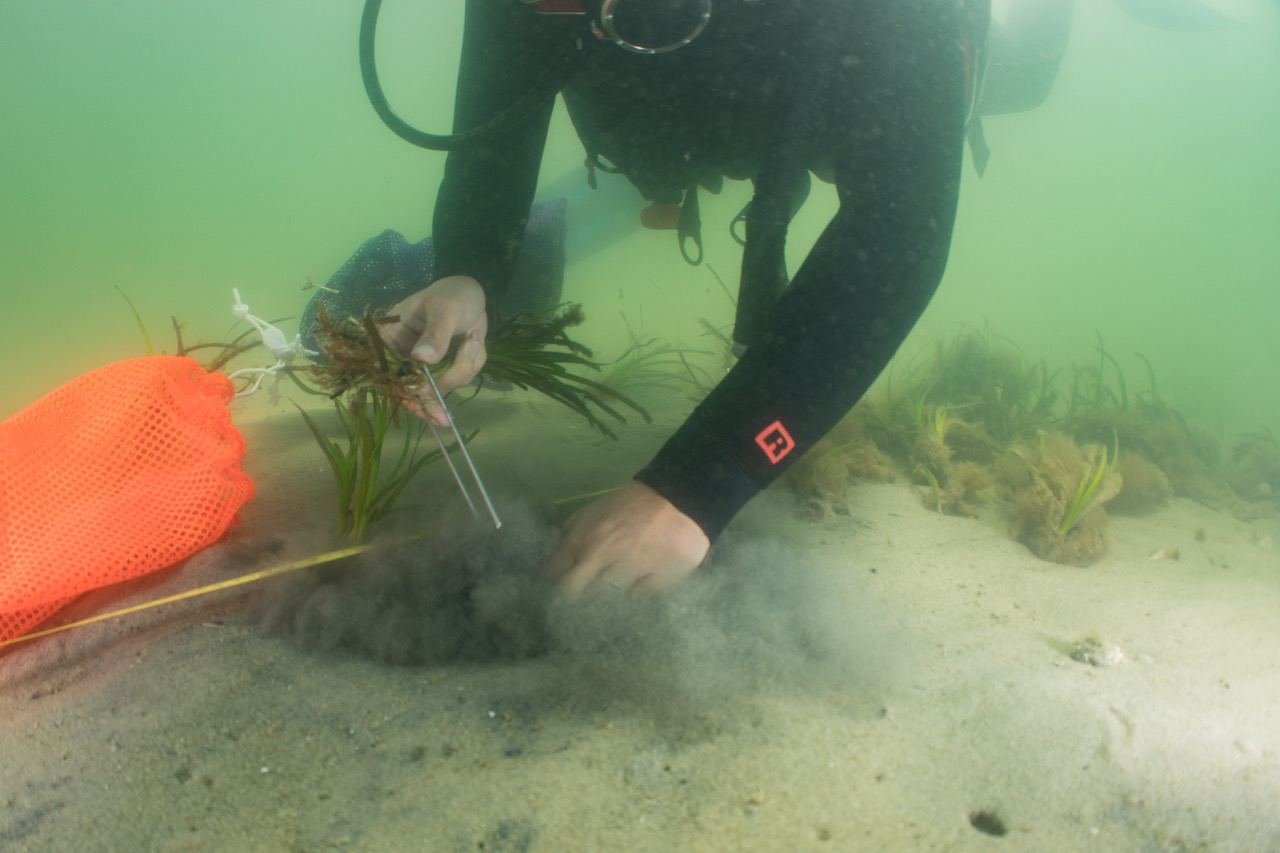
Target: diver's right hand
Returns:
[[430, 321]]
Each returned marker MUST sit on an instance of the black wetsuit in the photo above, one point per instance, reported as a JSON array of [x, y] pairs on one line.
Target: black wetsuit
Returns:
[[889, 130]]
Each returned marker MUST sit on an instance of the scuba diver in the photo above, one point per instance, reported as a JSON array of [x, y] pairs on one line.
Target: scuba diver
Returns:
[[875, 96], [870, 94]]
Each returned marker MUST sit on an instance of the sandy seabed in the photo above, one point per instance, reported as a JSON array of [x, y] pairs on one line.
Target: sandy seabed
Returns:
[[890, 680]]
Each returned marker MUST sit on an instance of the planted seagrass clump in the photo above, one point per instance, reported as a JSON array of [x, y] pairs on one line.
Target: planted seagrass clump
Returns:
[[1253, 471], [846, 456], [1145, 488], [369, 383], [977, 392], [367, 490], [1056, 491]]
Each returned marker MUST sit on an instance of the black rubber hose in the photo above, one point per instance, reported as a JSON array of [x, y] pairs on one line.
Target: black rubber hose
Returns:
[[551, 79]]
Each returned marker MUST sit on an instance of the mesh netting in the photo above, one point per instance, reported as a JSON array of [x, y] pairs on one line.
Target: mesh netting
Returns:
[[388, 268], [120, 472]]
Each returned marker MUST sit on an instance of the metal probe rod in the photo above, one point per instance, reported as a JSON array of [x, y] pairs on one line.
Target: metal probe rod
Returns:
[[452, 470], [457, 436]]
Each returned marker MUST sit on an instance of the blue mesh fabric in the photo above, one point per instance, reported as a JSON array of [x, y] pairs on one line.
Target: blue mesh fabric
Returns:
[[387, 268]]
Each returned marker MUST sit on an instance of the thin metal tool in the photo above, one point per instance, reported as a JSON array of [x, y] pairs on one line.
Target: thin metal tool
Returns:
[[448, 460], [457, 436]]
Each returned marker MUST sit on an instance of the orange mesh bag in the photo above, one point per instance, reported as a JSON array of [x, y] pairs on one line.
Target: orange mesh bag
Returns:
[[121, 472]]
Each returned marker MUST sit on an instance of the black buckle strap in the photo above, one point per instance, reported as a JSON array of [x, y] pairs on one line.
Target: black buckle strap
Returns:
[[689, 226]]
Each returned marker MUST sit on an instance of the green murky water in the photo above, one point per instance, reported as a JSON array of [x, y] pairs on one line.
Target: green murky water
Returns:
[[179, 150]]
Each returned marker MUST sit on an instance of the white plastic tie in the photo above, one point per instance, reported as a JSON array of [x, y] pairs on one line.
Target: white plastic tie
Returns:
[[281, 348]]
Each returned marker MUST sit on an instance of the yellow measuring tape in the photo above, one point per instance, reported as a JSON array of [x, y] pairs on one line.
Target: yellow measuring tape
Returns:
[[329, 557]]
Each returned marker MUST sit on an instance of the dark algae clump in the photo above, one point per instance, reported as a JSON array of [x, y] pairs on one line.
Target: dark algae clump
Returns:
[[979, 426]]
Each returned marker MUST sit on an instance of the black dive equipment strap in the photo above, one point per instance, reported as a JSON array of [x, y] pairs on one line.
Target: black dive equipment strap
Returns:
[[767, 217]]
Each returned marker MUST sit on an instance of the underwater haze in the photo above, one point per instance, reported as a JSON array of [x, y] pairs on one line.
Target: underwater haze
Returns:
[[178, 150], [919, 639]]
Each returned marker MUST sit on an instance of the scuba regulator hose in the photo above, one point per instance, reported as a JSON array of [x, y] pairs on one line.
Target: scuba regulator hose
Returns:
[[549, 82]]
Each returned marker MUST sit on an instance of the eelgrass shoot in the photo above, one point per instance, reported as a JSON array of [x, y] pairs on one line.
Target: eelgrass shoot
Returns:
[[367, 491], [227, 352], [647, 365], [368, 382], [935, 488], [1080, 501], [534, 351]]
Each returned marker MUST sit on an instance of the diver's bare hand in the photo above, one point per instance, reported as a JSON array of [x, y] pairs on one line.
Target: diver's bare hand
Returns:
[[633, 539], [430, 320]]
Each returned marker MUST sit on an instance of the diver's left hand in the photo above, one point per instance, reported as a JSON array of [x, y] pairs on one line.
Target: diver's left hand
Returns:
[[633, 539]]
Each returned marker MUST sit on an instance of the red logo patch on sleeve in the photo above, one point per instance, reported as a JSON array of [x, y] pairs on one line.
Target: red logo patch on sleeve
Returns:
[[775, 441]]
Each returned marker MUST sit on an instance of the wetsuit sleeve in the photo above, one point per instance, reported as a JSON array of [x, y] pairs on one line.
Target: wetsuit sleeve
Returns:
[[507, 51], [896, 104]]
